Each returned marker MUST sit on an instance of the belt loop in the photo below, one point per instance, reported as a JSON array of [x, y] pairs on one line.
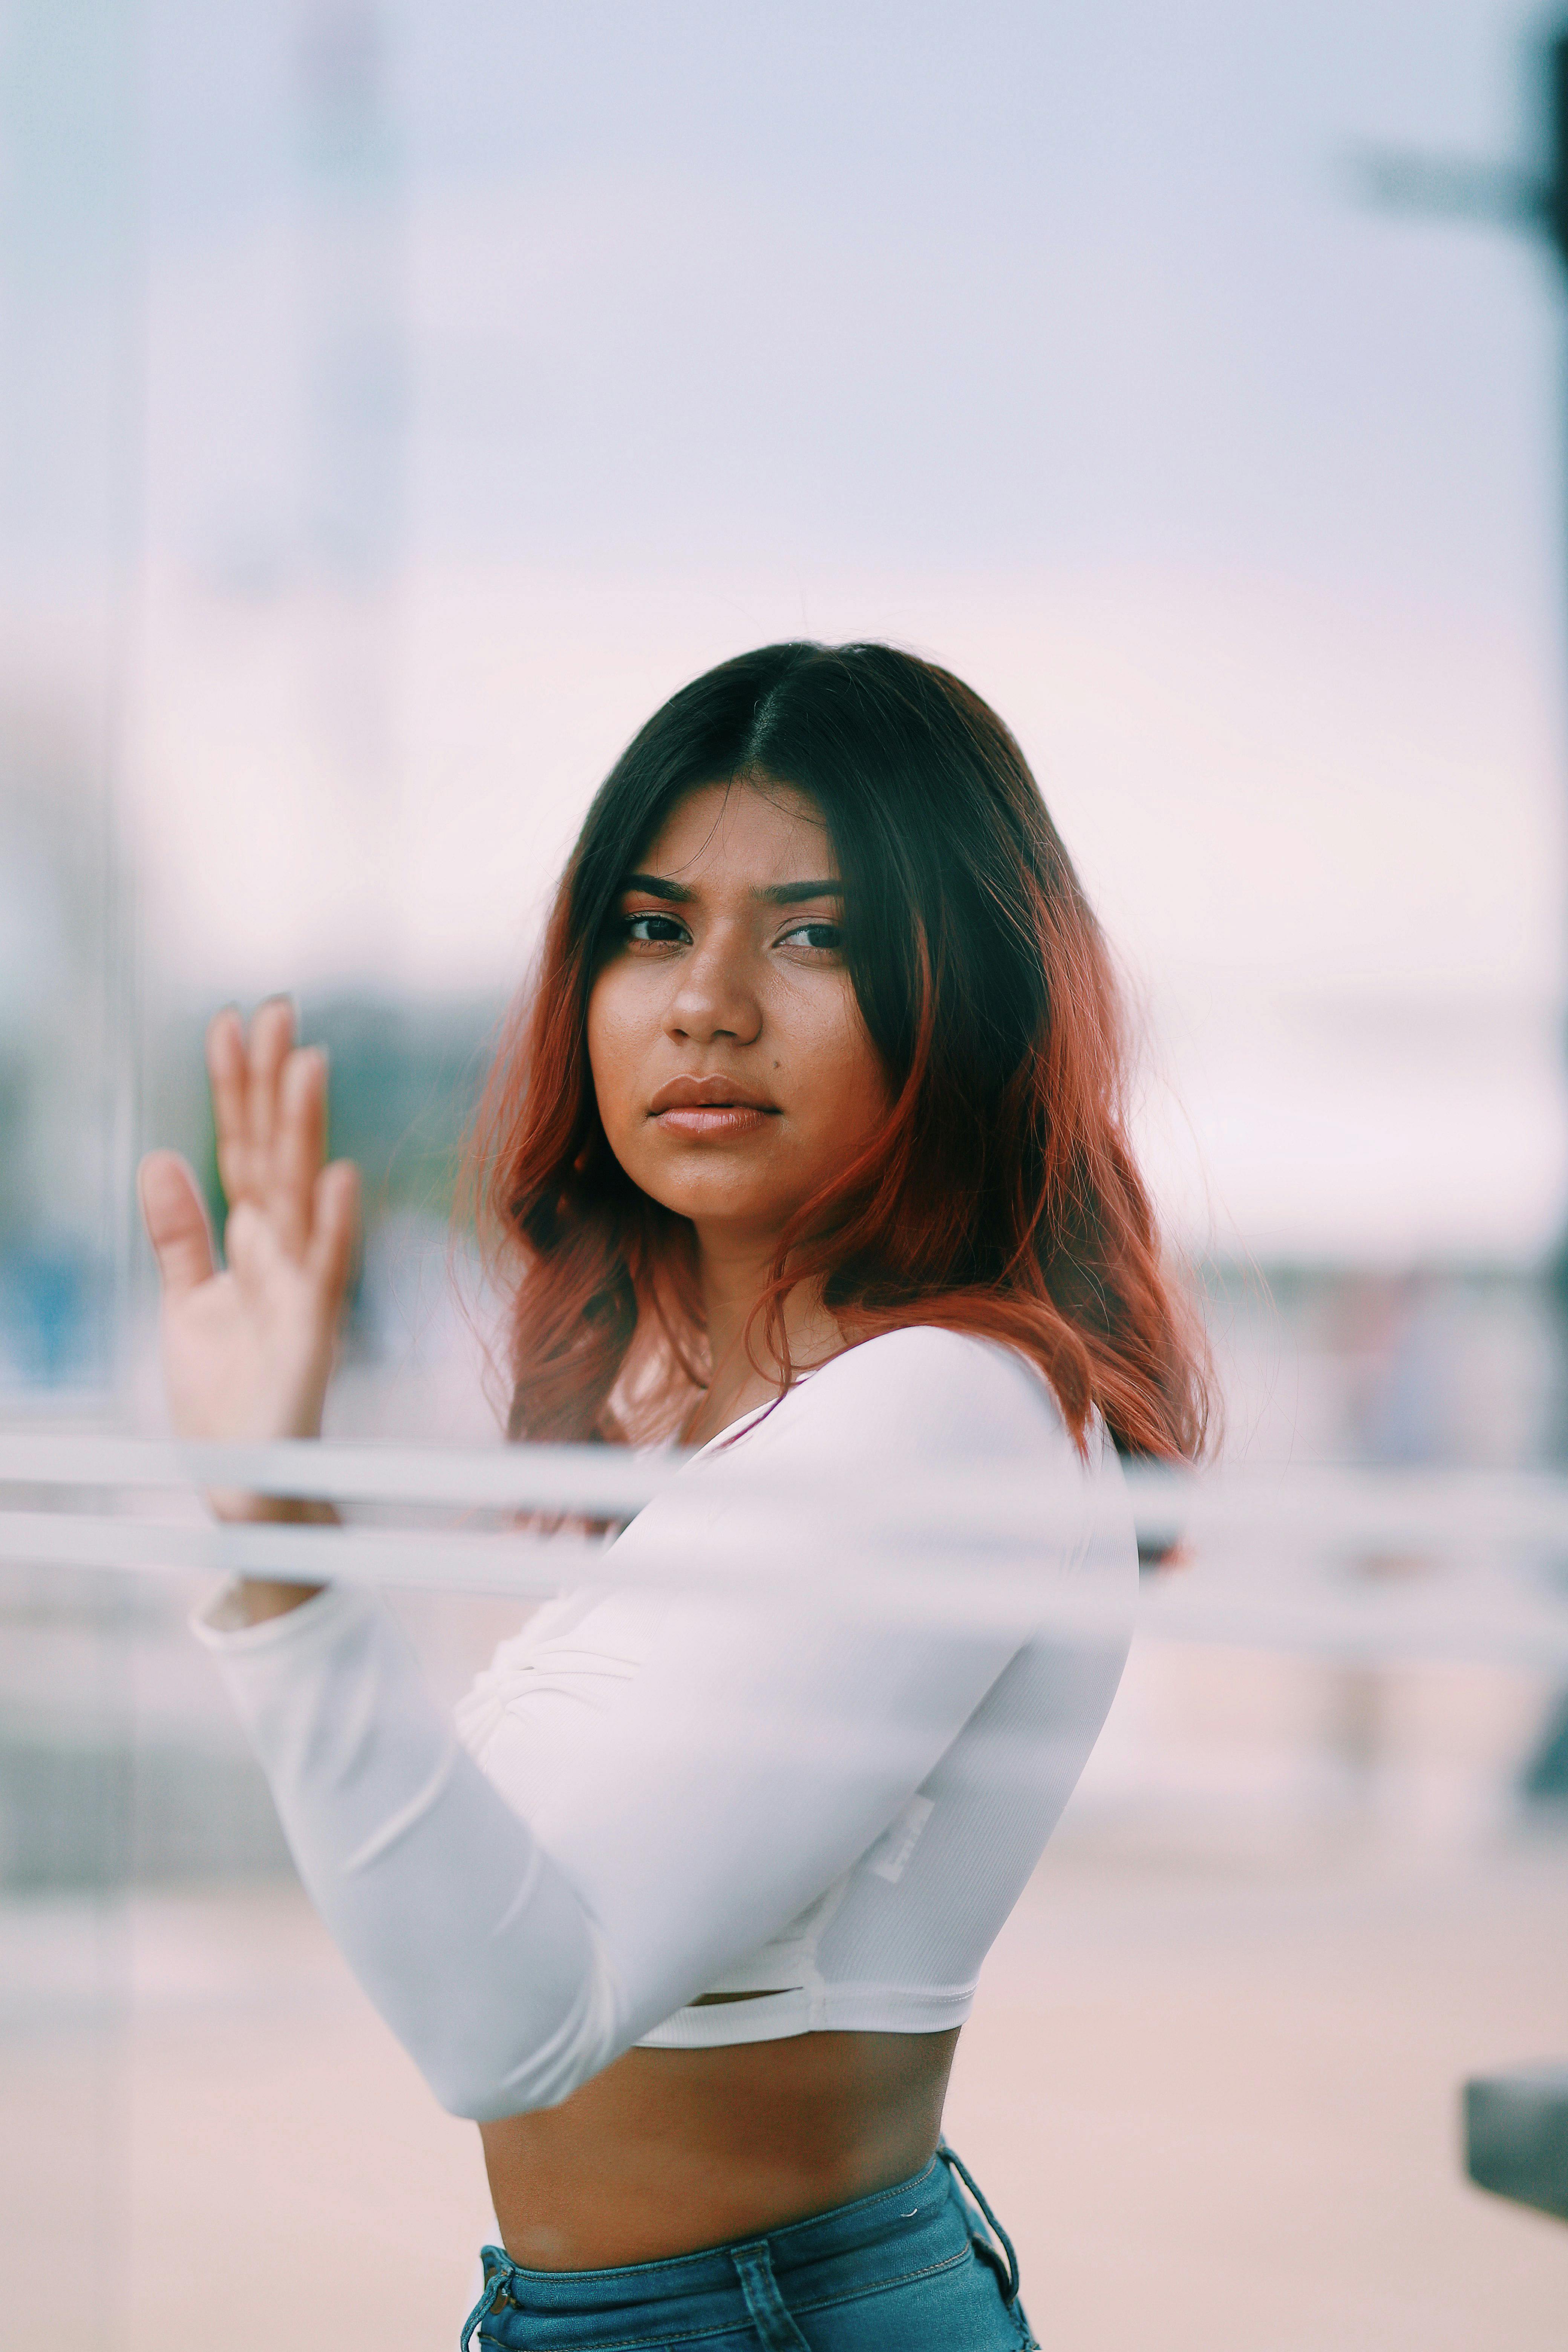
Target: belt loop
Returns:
[[776, 2331], [497, 2273], [955, 2163]]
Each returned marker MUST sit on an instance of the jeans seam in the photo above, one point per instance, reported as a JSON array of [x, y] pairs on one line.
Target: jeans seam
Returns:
[[636, 2343], [771, 2315], [886, 2287]]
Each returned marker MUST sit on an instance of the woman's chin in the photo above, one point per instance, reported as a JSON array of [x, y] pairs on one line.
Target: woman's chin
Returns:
[[754, 1213]]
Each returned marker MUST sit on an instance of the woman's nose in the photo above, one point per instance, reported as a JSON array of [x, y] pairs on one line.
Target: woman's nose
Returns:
[[715, 995]]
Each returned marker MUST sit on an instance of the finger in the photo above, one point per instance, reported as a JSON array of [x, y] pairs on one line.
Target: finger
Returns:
[[251, 1247], [228, 1074], [250, 1252], [298, 1146], [334, 1224], [272, 1035], [176, 1221]]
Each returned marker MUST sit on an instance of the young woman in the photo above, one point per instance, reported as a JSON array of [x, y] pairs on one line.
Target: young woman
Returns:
[[806, 1149]]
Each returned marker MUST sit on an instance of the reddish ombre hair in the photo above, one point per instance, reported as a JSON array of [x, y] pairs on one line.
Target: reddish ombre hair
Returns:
[[1000, 1197]]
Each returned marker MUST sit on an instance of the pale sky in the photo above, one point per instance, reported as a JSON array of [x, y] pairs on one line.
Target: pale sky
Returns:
[[1050, 341]]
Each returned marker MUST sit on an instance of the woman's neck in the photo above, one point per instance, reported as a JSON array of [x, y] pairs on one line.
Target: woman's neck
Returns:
[[733, 1274]]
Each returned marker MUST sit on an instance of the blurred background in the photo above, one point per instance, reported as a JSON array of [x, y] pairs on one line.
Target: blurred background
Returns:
[[396, 403]]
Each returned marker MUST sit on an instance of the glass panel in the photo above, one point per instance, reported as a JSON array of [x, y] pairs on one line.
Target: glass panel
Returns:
[[69, 414], [395, 403]]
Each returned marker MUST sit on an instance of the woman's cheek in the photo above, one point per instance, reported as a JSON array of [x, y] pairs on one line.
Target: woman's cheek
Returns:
[[611, 1060], [861, 1082]]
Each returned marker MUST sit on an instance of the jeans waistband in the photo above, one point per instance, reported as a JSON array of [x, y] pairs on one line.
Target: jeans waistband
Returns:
[[919, 2224]]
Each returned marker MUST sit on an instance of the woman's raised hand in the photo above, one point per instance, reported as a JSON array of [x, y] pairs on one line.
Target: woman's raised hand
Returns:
[[248, 1348]]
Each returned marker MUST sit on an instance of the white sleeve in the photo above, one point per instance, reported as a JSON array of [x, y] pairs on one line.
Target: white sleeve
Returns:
[[479, 1957], [765, 1739]]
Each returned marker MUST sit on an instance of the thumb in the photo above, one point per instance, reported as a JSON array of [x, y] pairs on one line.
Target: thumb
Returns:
[[176, 1221]]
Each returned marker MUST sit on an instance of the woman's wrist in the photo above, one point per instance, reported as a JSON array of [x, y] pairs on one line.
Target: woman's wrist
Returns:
[[251, 1600]]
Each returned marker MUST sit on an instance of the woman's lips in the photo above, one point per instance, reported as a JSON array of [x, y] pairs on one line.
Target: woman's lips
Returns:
[[714, 1120], [713, 1107]]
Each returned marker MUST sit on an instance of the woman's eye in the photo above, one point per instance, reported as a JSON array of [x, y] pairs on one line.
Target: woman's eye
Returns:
[[825, 937], [652, 929]]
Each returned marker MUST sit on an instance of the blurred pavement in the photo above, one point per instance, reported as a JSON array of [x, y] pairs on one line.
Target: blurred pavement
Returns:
[[1212, 2089]]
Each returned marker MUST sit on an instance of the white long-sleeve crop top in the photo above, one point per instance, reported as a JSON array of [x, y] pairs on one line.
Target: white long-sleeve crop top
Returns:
[[826, 1783]]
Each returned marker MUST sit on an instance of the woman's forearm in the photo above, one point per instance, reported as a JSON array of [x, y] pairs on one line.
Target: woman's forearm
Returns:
[[465, 1935]]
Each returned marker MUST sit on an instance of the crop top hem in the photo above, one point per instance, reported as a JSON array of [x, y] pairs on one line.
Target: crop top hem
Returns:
[[833, 2009]]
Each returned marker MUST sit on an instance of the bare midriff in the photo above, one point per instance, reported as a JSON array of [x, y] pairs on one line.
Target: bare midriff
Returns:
[[671, 2150]]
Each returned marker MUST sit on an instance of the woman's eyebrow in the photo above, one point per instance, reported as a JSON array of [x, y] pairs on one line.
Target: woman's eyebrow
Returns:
[[779, 894], [791, 894]]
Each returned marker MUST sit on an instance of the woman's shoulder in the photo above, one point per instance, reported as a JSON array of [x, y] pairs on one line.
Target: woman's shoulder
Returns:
[[926, 1392]]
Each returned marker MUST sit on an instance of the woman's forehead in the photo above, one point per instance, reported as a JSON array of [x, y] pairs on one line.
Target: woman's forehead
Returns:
[[759, 826]]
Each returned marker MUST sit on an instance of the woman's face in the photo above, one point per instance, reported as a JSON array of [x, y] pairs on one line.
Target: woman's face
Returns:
[[733, 1070]]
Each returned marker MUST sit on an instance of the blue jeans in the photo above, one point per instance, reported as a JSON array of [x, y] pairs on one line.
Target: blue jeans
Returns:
[[916, 2268]]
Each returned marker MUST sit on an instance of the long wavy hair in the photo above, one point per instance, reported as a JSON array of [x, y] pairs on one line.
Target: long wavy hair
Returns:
[[999, 1198]]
